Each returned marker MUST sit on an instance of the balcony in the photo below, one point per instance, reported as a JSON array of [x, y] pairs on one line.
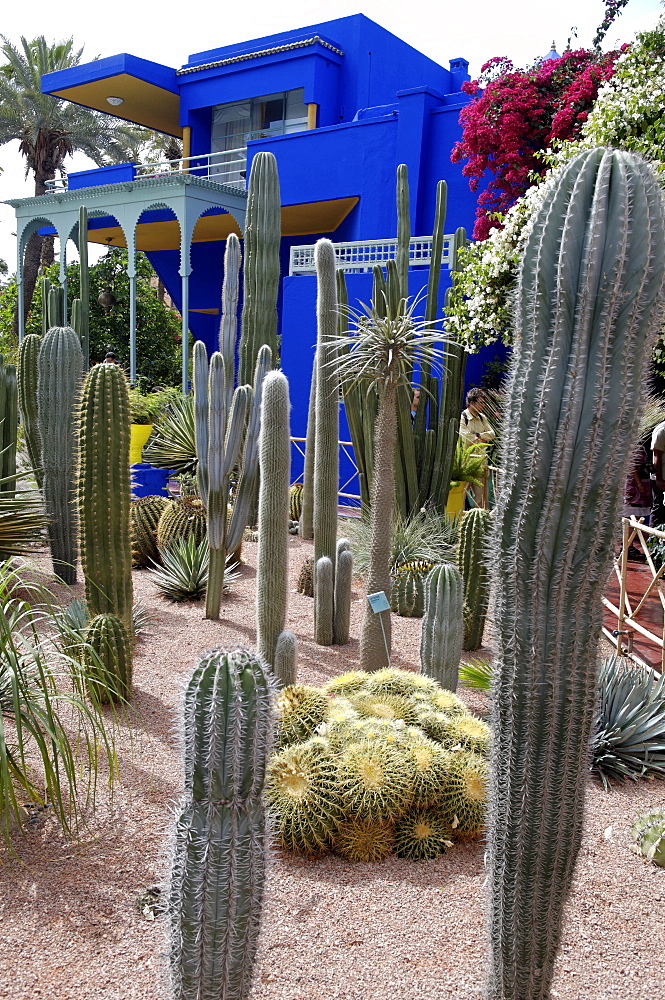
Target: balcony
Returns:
[[227, 167]]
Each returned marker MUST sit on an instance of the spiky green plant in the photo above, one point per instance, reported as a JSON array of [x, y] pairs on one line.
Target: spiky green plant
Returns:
[[374, 779], [379, 354], [347, 683], [28, 353], [172, 443], [305, 584], [476, 674], [588, 303], [218, 866], [468, 732], [302, 791], [181, 518], [183, 574], [295, 501], [472, 562], [364, 840], [144, 515], [300, 709], [108, 668], [285, 667], [442, 631], [408, 588], [272, 558], [432, 764], [343, 591], [41, 696], [648, 836], [22, 521], [421, 835], [628, 738], [463, 801], [404, 682], [384, 706], [425, 534]]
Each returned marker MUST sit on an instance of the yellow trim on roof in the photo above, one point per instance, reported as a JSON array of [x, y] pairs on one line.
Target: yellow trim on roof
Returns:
[[143, 103]]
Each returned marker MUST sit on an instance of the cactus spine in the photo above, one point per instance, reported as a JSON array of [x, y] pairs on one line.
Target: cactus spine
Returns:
[[472, 562], [443, 625], [60, 371], [28, 354], [218, 869], [324, 599], [326, 447], [261, 273], [104, 493], [589, 302], [343, 581], [272, 559]]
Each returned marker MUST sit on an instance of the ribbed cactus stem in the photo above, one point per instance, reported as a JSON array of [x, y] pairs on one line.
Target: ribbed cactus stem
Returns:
[[109, 668], [307, 514], [83, 326], [8, 428], [443, 625], [104, 493], [45, 287], [261, 271], [324, 601], [60, 372], [200, 371], [326, 447], [343, 581], [589, 303], [285, 667], [218, 867], [403, 230], [472, 561], [28, 354], [228, 327], [56, 306], [217, 484], [272, 558]]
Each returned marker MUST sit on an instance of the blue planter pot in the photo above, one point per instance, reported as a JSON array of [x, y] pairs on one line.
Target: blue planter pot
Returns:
[[149, 481]]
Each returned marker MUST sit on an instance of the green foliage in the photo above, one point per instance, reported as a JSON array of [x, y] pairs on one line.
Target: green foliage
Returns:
[[147, 407], [55, 741], [422, 535], [108, 669], [172, 443], [144, 515], [22, 522], [181, 518], [183, 575], [158, 329], [628, 739]]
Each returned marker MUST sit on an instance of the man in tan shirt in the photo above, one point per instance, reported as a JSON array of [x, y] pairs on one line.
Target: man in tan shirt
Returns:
[[474, 428]]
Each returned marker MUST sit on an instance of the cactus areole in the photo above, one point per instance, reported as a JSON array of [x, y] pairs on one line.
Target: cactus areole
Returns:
[[589, 303]]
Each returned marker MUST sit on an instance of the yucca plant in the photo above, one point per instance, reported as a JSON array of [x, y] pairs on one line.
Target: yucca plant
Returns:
[[424, 535], [628, 738], [44, 717], [476, 674], [184, 573], [172, 442]]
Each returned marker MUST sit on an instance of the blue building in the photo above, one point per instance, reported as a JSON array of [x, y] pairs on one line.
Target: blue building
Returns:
[[340, 104]]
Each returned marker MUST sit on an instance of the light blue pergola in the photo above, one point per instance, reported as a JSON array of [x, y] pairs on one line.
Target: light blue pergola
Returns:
[[187, 196]]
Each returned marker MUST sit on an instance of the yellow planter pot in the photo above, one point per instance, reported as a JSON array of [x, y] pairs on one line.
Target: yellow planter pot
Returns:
[[139, 436], [455, 503]]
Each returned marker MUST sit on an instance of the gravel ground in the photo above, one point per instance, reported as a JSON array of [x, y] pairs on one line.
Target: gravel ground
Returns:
[[70, 927]]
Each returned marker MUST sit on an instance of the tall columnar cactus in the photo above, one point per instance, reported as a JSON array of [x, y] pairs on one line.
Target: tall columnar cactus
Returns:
[[589, 302], [443, 625], [8, 427], [343, 582], [83, 324], [60, 372], [28, 354], [272, 560], [326, 447], [218, 868], [307, 512], [263, 230], [324, 601], [472, 561], [104, 493], [285, 667]]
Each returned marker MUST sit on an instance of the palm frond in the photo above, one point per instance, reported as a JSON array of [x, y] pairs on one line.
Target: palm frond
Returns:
[[476, 674]]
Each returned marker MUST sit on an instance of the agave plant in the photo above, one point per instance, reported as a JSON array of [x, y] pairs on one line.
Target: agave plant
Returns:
[[44, 718], [22, 521], [423, 535], [184, 573], [628, 738], [172, 442]]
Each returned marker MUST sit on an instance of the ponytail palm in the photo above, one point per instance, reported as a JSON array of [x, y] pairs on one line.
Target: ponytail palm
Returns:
[[379, 353]]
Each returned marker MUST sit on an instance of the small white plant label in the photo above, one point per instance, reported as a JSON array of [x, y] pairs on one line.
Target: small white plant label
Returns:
[[378, 602]]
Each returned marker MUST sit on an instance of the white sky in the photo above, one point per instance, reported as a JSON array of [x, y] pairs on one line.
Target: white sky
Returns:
[[167, 31]]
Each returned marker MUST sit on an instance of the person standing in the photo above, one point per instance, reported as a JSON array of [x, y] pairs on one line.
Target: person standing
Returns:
[[475, 428]]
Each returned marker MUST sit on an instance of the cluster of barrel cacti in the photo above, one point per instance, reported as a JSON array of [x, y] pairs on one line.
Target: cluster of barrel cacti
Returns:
[[376, 764], [648, 837]]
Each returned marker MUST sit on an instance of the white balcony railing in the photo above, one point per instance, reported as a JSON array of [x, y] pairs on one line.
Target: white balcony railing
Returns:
[[363, 255], [226, 167]]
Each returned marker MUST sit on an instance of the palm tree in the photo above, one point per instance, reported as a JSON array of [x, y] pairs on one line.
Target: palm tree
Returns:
[[48, 129], [380, 353]]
